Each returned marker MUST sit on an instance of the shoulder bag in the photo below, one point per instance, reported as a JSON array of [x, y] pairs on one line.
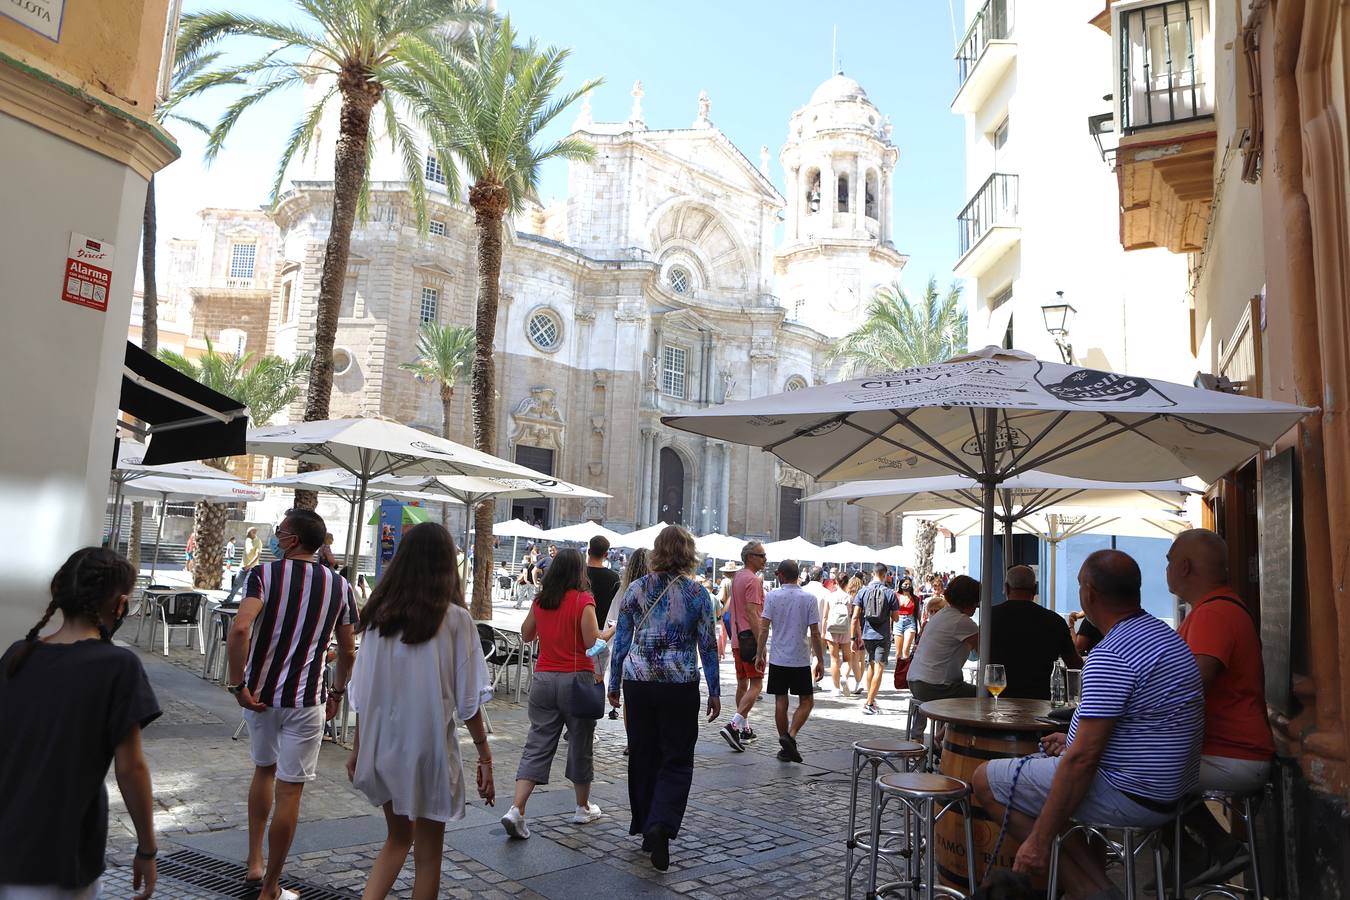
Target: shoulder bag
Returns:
[[747, 646], [588, 695]]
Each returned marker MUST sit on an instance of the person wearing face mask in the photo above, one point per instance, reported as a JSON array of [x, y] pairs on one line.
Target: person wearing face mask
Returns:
[[276, 648], [53, 764]]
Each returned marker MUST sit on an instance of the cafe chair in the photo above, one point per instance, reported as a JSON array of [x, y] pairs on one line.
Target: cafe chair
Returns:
[[925, 798], [1242, 808], [146, 605], [872, 755], [1133, 842], [218, 632], [182, 611]]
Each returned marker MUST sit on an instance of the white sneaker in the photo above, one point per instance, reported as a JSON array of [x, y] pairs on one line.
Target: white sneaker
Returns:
[[588, 813], [514, 823]]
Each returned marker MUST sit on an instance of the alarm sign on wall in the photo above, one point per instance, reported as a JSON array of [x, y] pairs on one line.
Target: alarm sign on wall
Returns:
[[88, 272]]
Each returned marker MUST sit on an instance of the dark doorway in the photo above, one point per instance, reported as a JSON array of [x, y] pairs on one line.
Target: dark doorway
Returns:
[[536, 511], [671, 503], [789, 513]]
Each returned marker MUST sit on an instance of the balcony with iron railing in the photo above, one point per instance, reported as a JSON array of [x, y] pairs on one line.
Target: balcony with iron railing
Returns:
[[1166, 65], [985, 55], [987, 227]]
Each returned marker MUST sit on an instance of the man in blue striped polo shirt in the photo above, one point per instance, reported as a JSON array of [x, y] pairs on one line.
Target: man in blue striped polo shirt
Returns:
[[1133, 747]]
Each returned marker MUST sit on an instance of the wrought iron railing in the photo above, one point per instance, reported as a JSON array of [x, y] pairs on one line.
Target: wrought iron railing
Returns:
[[1166, 64], [992, 23], [995, 203]]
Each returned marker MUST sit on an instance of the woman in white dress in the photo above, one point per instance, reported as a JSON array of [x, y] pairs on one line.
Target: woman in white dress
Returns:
[[419, 668]]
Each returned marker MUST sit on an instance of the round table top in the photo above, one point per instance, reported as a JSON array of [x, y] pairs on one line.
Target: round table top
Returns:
[[978, 712]]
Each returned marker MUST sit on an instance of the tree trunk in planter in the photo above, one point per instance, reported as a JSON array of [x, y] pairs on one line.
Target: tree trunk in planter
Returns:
[[927, 541], [134, 541], [208, 560]]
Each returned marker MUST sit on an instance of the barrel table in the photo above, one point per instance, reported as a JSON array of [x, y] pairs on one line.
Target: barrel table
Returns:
[[974, 736]]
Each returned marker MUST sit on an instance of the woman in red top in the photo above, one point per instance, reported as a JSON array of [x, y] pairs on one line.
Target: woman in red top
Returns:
[[563, 619], [906, 627]]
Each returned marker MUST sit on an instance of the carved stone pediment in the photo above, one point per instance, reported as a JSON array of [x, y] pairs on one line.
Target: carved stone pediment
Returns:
[[790, 477], [685, 319], [537, 422]]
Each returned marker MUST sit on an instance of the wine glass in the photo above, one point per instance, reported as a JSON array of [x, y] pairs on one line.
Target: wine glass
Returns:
[[995, 680]]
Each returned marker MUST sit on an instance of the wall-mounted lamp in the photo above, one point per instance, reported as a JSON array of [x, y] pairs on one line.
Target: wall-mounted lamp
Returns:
[[1058, 317]]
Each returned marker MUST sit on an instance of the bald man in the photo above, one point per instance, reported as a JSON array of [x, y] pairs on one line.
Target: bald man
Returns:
[[1133, 747], [1238, 746], [1027, 638]]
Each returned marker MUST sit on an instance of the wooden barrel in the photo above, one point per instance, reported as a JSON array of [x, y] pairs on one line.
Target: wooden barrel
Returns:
[[963, 749]]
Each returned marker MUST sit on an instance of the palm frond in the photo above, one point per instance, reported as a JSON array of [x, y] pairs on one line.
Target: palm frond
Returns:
[[900, 333]]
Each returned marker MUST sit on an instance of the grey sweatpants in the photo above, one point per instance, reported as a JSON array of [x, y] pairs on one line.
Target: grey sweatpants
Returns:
[[550, 709]]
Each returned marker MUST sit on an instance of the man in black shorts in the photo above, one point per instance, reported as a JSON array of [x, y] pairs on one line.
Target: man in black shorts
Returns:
[[875, 608], [792, 613]]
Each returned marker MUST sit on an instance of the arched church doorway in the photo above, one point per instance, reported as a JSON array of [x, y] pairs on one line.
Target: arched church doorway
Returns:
[[670, 508]]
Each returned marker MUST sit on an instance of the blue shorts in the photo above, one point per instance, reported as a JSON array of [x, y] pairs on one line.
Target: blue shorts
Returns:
[[1103, 804], [903, 624]]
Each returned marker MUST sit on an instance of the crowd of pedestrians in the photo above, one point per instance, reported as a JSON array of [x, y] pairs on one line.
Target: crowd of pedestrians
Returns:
[[1162, 715]]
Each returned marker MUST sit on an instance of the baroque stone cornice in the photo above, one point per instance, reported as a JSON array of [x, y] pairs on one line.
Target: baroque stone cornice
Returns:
[[46, 102]]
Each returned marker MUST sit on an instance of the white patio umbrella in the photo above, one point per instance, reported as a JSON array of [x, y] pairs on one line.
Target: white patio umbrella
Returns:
[[719, 546], [644, 539], [895, 555], [518, 529], [582, 532], [375, 448], [794, 548], [994, 414], [849, 552], [186, 489], [128, 467]]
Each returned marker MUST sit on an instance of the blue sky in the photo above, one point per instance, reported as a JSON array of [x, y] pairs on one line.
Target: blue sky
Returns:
[[758, 61]]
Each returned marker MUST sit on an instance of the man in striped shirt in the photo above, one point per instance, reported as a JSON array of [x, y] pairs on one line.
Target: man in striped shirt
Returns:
[[277, 652], [1133, 747]]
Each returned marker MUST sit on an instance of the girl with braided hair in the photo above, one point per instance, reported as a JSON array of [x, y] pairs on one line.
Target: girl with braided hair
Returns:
[[76, 703]]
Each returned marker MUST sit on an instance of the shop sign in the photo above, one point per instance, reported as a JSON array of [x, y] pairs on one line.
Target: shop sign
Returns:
[[88, 274], [42, 16]]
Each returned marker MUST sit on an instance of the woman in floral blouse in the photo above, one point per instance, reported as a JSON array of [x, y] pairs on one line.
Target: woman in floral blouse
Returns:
[[665, 620]]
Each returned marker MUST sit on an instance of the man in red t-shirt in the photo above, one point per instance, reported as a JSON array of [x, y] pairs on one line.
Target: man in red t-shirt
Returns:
[[1238, 745], [747, 602]]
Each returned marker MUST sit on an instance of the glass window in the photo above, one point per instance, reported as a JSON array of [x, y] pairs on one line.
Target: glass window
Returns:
[[431, 299], [434, 171], [242, 257], [674, 367], [436, 228], [999, 137], [545, 331], [679, 279]]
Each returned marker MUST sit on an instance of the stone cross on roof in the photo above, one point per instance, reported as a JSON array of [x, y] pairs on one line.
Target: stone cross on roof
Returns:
[[635, 114]]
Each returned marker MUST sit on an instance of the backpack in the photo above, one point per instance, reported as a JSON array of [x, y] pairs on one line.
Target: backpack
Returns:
[[874, 608], [840, 613]]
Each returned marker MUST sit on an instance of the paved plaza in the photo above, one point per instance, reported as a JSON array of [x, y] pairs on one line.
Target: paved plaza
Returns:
[[756, 827]]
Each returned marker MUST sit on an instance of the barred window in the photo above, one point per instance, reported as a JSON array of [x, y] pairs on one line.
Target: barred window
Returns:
[[545, 330], [242, 257], [431, 299], [434, 171], [679, 279], [674, 367], [436, 228]]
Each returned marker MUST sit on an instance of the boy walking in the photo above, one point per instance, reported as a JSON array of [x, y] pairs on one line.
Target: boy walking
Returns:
[[792, 613]]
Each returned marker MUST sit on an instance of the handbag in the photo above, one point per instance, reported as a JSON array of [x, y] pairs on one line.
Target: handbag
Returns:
[[587, 695], [747, 647]]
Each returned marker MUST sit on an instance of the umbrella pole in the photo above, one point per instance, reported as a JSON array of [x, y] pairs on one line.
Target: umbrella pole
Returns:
[[987, 543], [159, 532], [351, 527], [1054, 551], [354, 540]]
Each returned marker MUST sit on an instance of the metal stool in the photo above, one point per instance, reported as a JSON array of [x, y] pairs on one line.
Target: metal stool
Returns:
[[926, 798], [925, 733], [875, 754], [1243, 806], [1133, 841]]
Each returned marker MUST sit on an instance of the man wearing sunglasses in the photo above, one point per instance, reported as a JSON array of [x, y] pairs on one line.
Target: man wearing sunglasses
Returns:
[[747, 602]]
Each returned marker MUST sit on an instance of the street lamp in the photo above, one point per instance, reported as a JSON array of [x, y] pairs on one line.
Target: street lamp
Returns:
[[1058, 317]]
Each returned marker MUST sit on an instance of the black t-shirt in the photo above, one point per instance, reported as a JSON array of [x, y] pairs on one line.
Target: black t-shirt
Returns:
[[1091, 632], [604, 585], [65, 712], [1027, 639]]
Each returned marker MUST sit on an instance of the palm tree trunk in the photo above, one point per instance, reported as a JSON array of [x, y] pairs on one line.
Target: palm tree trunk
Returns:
[[149, 340], [208, 559], [489, 202], [447, 394], [927, 540], [359, 95]]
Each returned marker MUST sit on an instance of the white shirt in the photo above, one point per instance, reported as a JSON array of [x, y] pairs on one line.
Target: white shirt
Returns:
[[792, 611], [817, 590], [942, 651]]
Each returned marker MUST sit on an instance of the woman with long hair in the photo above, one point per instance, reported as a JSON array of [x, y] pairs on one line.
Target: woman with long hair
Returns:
[[563, 619], [854, 647], [666, 624], [419, 669], [906, 627]]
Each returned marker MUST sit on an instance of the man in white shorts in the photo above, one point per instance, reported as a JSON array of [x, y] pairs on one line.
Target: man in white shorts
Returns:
[[277, 652]]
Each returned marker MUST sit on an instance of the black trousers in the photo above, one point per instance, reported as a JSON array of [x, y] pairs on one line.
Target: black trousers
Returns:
[[662, 731]]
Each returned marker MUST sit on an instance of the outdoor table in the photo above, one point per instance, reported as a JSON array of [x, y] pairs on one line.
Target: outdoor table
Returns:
[[974, 736]]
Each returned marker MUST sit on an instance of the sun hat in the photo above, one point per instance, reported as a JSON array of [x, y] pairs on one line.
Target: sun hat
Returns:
[[729, 568]]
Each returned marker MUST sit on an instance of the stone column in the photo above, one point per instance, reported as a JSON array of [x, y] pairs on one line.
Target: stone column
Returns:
[[723, 512], [884, 207], [644, 481], [829, 191], [654, 481], [706, 488], [860, 194], [795, 188]]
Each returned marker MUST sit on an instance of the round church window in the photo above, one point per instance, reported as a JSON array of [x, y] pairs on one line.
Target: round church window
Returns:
[[545, 330], [795, 383], [679, 280]]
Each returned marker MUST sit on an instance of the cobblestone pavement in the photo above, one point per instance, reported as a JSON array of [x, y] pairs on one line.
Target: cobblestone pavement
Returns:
[[756, 827]]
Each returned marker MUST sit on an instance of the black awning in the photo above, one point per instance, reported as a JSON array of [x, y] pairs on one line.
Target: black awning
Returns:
[[185, 419]]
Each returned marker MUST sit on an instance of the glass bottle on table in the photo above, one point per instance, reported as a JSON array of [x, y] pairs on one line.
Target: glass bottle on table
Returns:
[[995, 680]]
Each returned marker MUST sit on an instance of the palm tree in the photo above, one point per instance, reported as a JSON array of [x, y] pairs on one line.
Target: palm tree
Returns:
[[185, 69], [444, 355], [266, 385], [487, 114], [361, 45], [899, 333]]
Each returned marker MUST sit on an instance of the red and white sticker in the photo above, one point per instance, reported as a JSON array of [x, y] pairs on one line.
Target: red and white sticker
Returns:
[[88, 274]]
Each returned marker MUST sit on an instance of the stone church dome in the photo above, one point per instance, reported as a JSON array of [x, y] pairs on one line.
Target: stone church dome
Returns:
[[839, 87]]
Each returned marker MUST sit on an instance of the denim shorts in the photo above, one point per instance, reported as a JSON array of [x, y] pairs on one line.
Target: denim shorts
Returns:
[[903, 624], [1103, 804]]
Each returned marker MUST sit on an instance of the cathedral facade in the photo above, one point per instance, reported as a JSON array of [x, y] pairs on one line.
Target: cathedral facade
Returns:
[[673, 276]]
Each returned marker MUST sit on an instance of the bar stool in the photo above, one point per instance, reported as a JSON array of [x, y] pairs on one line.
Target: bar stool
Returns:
[[1242, 806], [1133, 841], [925, 734], [875, 754], [925, 798]]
